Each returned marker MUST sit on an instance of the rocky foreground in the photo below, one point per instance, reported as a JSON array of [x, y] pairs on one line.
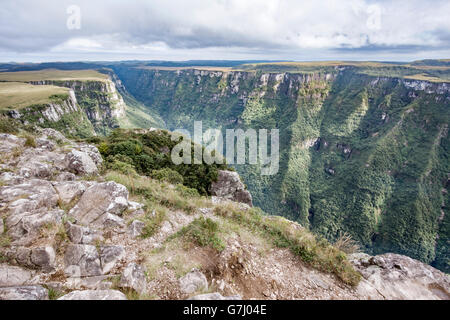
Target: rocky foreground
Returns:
[[66, 233]]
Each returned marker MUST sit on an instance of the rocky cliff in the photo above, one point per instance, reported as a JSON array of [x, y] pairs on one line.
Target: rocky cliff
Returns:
[[362, 154], [63, 113], [100, 100], [72, 231]]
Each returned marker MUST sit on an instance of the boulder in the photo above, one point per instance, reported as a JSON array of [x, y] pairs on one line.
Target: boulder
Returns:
[[94, 295], [82, 235], [11, 276], [10, 142], [109, 255], [92, 152], [2, 226], [82, 261], [397, 277], [193, 282], [24, 293], [215, 296], [230, 187], [133, 277], [25, 228], [32, 195], [44, 258], [80, 163], [97, 201], [135, 228]]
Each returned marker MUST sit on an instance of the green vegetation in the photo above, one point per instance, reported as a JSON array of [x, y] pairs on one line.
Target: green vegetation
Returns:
[[203, 232], [149, 154]]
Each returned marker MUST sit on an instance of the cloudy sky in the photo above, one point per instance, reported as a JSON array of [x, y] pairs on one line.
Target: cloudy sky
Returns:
[[48, 30]]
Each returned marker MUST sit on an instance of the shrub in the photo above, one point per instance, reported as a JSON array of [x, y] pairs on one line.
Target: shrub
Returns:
[[168, 175], [8, 125], [203, 232], [153, 221], [30, 141]]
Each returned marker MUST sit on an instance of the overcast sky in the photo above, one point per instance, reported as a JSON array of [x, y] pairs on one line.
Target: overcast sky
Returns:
[[48, 30]]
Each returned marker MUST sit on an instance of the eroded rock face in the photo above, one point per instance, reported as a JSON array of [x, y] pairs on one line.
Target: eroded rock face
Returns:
[[24, 293], [230, 187], [81, 163], [133, 277], [69, 191], [44, 258], [109, 255], [11, 276], [82, 261], [393, 276], [135, 228], [98, 201], [26, 227], [94, 295]]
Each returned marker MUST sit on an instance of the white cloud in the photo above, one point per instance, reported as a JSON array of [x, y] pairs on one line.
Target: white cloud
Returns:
[[277, 29]]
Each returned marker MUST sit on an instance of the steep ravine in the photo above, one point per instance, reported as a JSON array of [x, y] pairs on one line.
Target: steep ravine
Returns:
[[359, 154]]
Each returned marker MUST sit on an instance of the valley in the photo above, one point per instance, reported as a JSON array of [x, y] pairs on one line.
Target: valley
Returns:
[[363, 146]]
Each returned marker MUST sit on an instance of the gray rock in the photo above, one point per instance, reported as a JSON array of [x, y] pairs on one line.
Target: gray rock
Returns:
[[65, 176], [44, 258], [80, 163], [24, 293], [92, 283], [193, 282], [11, 276], [2, 226], [230, 187], [215, 296], [10, 142], [94, 295], [82, 261], [111, 221], [32, 195], [25, 228], [109, 255], [45, 144], [396, 277], [70, 190], [135, 228], [99, 200], [48, 133], [92, 152], [83, 235], [133, 277]]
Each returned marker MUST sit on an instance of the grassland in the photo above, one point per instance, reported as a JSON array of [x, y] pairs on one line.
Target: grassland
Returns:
[[53, 74], [16, 95]]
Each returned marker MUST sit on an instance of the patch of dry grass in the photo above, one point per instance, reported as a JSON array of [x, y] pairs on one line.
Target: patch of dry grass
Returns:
[[53, 74], [17, 95]]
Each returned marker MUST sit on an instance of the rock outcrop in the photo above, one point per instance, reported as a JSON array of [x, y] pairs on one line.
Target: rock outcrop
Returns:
[[230, 187], [396, 277]]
